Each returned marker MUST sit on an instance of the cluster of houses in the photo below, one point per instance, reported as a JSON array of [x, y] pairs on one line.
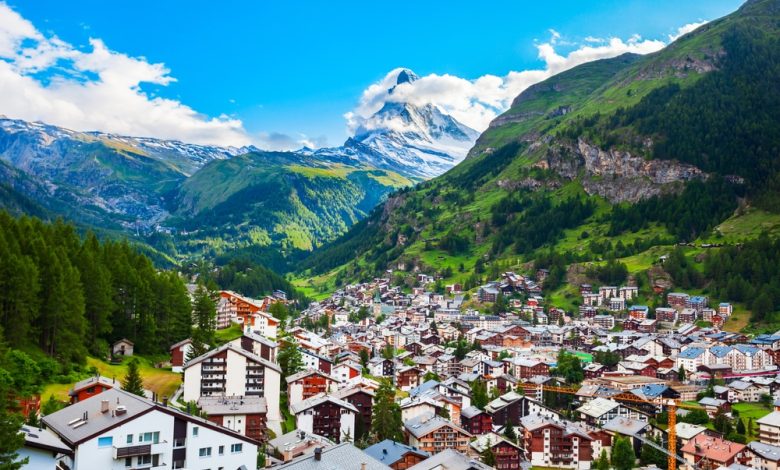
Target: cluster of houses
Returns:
[[438, 350]]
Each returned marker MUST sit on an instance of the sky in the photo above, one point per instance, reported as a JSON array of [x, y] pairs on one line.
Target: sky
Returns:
[[282, 74]]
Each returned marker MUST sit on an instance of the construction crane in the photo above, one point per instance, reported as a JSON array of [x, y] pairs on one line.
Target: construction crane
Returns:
[[670, 404]]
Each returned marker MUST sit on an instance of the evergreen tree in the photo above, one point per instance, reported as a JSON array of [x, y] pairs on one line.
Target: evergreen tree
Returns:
[[205, 316], [479, 394], [289, 357], [386, 420], [133, 382], [650, 455], [509, 432], [488, 456], [741, 427], [623, 457], [681, 374], [603, 462], [364, 359]]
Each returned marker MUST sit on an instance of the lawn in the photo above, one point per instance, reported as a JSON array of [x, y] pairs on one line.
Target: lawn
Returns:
[[229, 334], [163, 382], [751, 410]]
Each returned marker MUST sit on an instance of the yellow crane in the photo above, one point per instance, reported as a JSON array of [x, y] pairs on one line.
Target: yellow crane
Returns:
[[670, 404]]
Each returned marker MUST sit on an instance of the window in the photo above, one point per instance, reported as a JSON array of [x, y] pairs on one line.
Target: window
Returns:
[[221, 450], [153, 437], [205, 452], [128, 462], [129, 438], [105, 441], [195, 431], [236, 448], [144, 459]]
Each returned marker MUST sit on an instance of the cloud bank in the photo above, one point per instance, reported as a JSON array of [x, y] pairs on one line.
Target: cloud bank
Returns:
[[44, 78], [475, 102]]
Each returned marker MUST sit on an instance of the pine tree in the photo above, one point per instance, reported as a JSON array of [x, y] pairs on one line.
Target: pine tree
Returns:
[[386, 420], [133, 382], [509, 432], [479, 394], [603, 462], [740, 427], [289, 357], [205, 316], [488, 456], [681, 374], [623, 457]]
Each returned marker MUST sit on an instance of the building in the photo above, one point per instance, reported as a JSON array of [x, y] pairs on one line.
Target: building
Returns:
[[232, 371], [326, 416], [245, 415], [433, 433], [508, 454], [706, 451], [769, 428], [678, 300], [666, 314], [251, 313], [42, 448], [90, 387], [396, 455], [476, 421], [599, 411], [342, 456], [764, 456], [123, 347], [120, 430], [548, 443], [179, 352], [487, 293], [308, 383], [362, 398]]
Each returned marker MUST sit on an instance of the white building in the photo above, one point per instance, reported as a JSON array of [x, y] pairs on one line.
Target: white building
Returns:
[[42, 448], [232, 371], [116, 430], [326, 416]]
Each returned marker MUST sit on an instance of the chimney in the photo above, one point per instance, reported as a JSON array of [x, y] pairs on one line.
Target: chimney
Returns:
[[318, 454], [104, 406], [363, 466], [86, 415], [165, 400]]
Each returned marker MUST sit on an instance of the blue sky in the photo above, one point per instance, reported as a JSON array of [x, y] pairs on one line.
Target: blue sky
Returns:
[[297, 67]]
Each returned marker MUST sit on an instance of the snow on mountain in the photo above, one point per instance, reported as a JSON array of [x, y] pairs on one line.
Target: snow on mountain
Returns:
[[417, 141]]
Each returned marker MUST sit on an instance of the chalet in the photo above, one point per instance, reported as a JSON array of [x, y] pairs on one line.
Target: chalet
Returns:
[[42, 448], [666, 314], [312, 360], [508, 454], [433, 433], [599, 411], [687, 315], [396, 455], [677, 300], [769, 428], [487, 293], [244, 415], [408, 377], [548, 443], [123, 347], [179, 352], [90, 387], [764, 456], [308, 383], [526, 368], [476, 421], [713, 405], [250, 313], [741, 391], [362, 399], [232, 371], [346, 370], [326, 416], [257, 344]]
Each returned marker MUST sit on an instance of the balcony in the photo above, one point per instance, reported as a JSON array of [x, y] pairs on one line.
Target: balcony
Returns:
[[132, 451]]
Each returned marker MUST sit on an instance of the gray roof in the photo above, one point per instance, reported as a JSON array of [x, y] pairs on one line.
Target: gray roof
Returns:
[[389, 452], [470, 412], [625, 426], [772, 419], [293, 438], [219, 406], [308, 372], [43, 439], [451, 460], [340, 457], [426, 423], [69, 425], [317, 400], [94, 380], [766, 451]]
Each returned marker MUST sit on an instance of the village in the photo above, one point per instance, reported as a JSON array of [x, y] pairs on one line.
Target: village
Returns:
[[517, 384]]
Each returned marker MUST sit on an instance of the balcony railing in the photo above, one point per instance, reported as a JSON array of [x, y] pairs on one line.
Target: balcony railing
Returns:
[[132, 451]]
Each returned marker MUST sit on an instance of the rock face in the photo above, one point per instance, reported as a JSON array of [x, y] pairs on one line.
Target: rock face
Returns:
[[617, 175]]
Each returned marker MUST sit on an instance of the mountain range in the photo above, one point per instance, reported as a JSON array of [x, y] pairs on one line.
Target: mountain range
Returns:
[[212, 199]]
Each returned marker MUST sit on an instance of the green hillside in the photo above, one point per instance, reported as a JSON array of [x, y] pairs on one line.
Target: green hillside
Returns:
[[616, 159], [273, 205]]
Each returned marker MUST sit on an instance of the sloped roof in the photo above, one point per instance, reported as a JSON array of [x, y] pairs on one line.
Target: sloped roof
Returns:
[[389, 452]]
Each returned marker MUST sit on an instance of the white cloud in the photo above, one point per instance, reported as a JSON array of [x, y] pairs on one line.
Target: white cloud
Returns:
[[281, 141], [476, 102], [44, 78], [683, 30]]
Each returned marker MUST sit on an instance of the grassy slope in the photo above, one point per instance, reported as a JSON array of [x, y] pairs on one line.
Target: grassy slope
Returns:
[[163, 382]]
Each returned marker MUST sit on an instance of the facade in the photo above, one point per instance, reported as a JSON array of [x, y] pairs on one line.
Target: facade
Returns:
[[326, 416], [123, 347], [476, 421], [230, 371], [42, 448], [508, 454], [309, 383], [433, 434], [90, 387], [235, 308], [244, 415], [769, 428], [552, 444], [119, 430], [179, 352]]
